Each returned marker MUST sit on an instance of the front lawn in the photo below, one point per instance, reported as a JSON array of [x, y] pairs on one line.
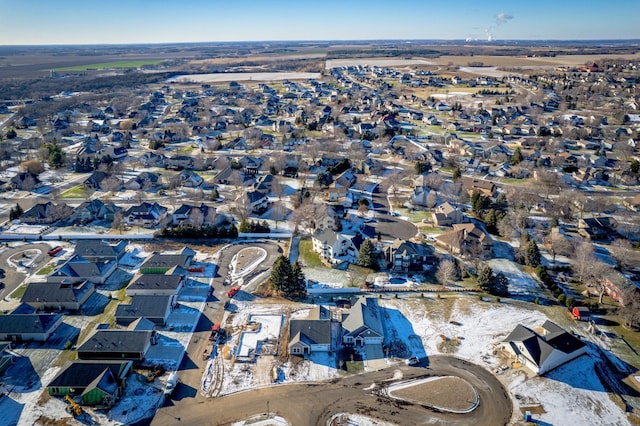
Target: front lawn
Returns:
[[309, 258], [75, 192]]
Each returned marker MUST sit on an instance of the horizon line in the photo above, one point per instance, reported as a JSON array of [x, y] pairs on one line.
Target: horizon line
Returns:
[[397, 40]]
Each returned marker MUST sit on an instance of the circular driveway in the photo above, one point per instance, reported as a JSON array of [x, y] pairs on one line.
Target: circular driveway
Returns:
[[315, 403]]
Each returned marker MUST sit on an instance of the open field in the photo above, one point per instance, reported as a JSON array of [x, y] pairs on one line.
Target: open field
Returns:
[[241, 76], [379, 62], [527, 62], [111, 65]]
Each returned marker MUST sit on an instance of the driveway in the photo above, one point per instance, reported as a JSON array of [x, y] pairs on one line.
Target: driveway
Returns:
[[390, 227]]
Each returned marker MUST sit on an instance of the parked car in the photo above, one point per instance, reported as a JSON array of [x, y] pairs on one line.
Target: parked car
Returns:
[[54, 251], [233, 291], [413, 360]]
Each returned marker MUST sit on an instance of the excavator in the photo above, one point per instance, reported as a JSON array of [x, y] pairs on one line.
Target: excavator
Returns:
[[74, 407]]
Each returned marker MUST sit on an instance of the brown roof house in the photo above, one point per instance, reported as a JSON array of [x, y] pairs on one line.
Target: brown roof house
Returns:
[[446, 215], [465, 238]]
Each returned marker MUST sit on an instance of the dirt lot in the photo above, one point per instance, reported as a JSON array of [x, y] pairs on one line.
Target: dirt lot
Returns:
[[446, 392]]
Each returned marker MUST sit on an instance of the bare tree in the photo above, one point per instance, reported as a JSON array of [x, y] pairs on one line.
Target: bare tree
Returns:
[[630, 310], [447, 272], [622, 252]]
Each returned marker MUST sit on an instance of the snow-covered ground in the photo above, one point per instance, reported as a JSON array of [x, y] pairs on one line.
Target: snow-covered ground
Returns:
[[521, 284]]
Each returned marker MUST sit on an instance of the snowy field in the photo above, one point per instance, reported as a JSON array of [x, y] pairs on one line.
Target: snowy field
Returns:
[[243, 76], [268, 328], [521, 284]]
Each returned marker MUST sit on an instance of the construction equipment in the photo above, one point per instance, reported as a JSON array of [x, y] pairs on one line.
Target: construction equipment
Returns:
[[74, 407]]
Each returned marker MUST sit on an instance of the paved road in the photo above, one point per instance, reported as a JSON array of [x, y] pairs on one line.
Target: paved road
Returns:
[[315, 403], [390, 227], [14, 278], [194, 364]]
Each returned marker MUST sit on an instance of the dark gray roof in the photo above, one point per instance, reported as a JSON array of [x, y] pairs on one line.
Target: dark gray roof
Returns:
[[99, 249], [78, 267], [116, 341], [311, 332], [364, 314], [155, 282], [80, 373], [158, 260], [28, 323], [541, 346], [143, 306], [51, 293]]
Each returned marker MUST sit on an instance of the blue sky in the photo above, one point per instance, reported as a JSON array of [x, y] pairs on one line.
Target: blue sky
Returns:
[[159, 21]]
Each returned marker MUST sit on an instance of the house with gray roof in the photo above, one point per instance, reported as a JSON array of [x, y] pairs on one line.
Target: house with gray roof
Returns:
[[95, 382], [92, 210], [77, 268], [154, 308], [336, 247], [362, 323], [117, 344], [26, 327], [542, 352], [156, 285], [146, 214], [313, 334], [58, 296], [101, 250], [159, 263]]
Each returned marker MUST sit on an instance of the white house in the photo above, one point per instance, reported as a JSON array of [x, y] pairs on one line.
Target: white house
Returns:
[[542, 353], [336, 247]]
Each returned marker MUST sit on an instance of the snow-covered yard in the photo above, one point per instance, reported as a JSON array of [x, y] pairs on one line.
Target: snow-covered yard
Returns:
[[521, 284]]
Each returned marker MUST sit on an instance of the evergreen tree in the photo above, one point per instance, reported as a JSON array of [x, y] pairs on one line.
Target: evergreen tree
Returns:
[[516, 158], [286, 280], [491, 221], [487, 279], [15, 212], [501, 285], [299, 286], [367, 255], [457, 174], [281, 275], [532, 255]]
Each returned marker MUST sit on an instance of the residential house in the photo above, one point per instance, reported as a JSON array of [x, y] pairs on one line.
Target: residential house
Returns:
[[543, 352], [362, 323], [190, 179], [101, 250], [146, 215], [16, 327], [179, 162], [597, 228], [77, 268], [156, 285], [405, 256], [117, 344], [446, 215], [103, 181], [196, 216], [466, 238], [151, 159], [258, 201], [58, 296], [154, 308], [95, 382], [46, 213], [92, 210], [336, 247], [471, 185], [25, 181], [158, 263], [312, 334], [144, 181]]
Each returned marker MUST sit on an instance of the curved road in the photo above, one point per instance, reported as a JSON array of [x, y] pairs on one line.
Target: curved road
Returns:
[[13, 277], [315, 403]]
